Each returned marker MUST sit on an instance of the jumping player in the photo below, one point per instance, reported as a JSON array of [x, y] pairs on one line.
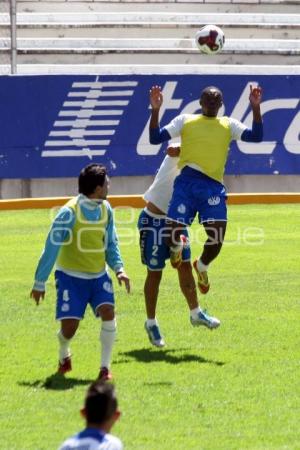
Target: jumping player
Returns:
[[199, 188], [153, 226], [82, 239]]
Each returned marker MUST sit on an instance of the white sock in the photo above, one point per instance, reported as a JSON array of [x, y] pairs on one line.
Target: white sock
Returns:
[[194, 312], [64, 349], [107, 338], [151, 322], [201, 267]]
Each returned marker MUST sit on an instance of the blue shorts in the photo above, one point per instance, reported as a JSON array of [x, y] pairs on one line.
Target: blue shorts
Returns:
[[154, 250], [74, 294], [195, 193]]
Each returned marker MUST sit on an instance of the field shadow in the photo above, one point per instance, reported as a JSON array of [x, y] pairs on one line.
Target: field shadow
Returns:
[[147, 355], [56, 382]]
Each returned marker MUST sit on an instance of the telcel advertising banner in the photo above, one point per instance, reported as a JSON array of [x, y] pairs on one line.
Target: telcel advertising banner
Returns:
[[53, 125]]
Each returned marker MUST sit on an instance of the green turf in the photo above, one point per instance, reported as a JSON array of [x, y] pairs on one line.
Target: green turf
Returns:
[[233, 388]]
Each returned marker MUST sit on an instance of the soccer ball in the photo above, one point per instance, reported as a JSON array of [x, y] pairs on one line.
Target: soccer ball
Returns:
[[210, 39]]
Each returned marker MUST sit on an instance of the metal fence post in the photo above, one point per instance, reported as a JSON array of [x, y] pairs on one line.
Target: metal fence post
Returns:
[[13, 36]]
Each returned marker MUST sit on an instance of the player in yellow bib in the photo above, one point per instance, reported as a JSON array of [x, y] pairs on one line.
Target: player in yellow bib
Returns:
[[199, 188], [82, 241]]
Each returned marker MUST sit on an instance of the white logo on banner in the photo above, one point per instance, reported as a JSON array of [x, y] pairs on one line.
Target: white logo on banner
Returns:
[[89, 118]]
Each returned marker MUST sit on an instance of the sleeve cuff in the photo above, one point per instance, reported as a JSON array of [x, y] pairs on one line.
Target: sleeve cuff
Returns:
[[118, 269], [39, 286], [159, 135]]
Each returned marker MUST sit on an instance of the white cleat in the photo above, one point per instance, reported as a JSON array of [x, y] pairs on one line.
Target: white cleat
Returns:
[[206, 320]]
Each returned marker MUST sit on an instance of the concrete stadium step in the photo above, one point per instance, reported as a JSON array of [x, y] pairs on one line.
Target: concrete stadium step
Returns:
[[146, 25], [162, 19], [283, 32], [281, 6], [150, 51], [89, 45]]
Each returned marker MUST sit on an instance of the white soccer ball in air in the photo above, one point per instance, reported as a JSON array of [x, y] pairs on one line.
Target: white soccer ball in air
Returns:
[[210, 39]]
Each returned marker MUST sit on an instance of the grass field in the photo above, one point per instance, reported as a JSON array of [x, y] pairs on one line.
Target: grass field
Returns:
[[237, 387]]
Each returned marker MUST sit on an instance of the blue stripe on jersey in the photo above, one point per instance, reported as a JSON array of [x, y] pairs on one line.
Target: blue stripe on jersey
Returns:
[[91, 433]]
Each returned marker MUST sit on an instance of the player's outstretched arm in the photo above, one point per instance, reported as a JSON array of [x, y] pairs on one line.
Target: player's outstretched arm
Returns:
[[156, 135], [255, 134], [59, 231], [255, 98], [156, 98]]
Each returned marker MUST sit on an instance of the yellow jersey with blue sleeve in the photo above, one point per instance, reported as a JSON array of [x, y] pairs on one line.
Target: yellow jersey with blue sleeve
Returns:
[[82, 239], [205, 141]]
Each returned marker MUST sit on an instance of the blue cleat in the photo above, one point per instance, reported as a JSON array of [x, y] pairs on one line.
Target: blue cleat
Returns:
[[154, 335]]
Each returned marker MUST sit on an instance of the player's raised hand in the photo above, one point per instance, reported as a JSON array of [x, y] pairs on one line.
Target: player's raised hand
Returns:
[[123, 278], [156, 97], [255, 95], [37, 296]]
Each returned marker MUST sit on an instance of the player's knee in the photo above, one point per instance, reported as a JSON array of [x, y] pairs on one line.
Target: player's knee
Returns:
[[106, 312], [69, 327], [154, 275]]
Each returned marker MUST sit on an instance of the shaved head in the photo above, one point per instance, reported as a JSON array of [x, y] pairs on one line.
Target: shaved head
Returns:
[[211, 90], [211, 100]]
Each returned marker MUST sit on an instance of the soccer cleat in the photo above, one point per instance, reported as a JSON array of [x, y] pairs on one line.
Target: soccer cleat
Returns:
[[104, 374], [64, 366], [203, 283], [154, 335], [176, 257], [206, 320]]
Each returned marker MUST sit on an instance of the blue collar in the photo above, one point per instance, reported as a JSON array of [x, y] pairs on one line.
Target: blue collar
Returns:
[[93, 433]]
